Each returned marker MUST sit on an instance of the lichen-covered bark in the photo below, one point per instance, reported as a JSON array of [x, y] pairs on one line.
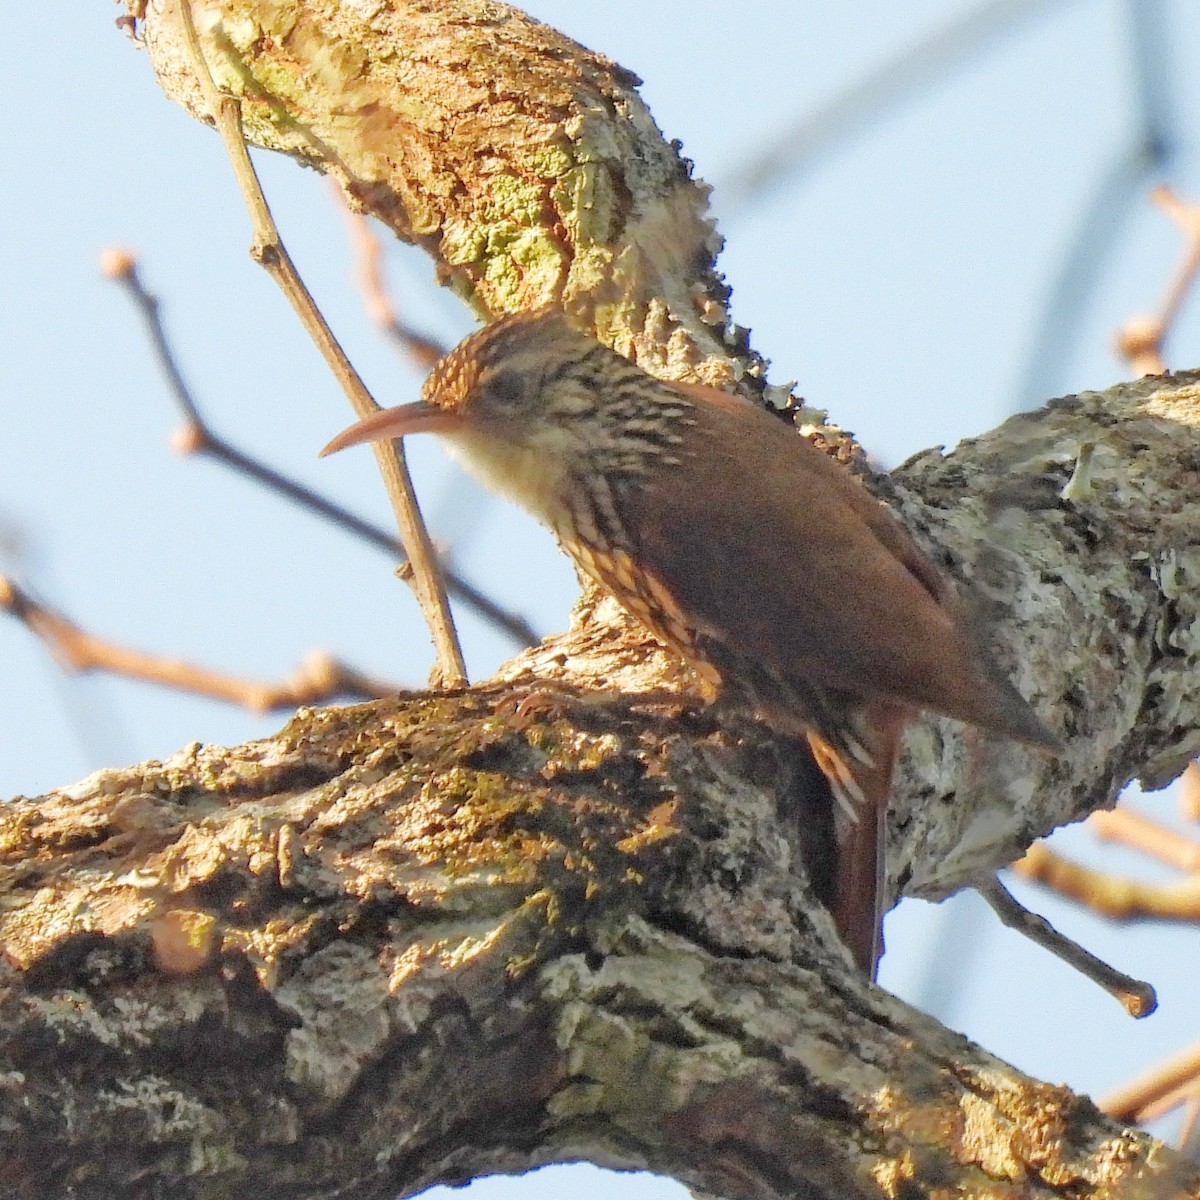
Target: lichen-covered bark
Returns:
[[441, 935], [527, 166], [417, 940], [426, 938], [1094, 603]]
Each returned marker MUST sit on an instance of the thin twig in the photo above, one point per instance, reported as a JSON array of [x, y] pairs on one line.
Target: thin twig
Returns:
[[1189, 1131], [1187, 218], [1136, 997], [1148, 148], [1092, 242], [368, 253], [197, 437], [1127, 1101], [267, 248], [1140, 340], [1178, 1095], [15, 546], [1189, 793], [317, 680], [879, 94], [1140, 833], [1115, 897]]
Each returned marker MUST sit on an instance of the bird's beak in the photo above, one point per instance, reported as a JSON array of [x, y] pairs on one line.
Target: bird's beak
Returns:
[[389, 423]]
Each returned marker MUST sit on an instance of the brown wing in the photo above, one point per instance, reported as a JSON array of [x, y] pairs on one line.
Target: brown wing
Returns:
[[773, 549]]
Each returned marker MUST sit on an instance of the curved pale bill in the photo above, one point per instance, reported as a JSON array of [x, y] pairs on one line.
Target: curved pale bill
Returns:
[[389, 423]]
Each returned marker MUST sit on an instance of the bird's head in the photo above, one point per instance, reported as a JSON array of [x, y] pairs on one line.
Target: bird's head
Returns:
[[530, 405]]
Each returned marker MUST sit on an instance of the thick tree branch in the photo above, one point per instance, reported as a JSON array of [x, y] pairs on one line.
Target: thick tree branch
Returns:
[[527, 166], [424, 938], [430, 937], [1093, 602], [406, 942]]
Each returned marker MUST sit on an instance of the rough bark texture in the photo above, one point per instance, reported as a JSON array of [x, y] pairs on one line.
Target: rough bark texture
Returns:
[[414, 941], [421, 939], [526, 165]]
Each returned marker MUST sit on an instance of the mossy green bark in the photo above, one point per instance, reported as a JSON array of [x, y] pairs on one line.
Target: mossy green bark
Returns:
[[526, 165]]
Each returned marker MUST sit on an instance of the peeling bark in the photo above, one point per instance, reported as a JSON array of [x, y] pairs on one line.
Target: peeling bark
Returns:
[[425, 938]]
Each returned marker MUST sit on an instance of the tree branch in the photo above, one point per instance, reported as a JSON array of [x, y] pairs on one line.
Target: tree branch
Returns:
[[411, 912], [420, 939], [527, 166], [420, 944], [318, 679]]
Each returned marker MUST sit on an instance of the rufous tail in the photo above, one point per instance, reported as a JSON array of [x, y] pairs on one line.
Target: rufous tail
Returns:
[[861, 784]]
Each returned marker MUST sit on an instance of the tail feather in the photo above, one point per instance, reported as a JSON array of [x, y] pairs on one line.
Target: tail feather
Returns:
[[861, 785]]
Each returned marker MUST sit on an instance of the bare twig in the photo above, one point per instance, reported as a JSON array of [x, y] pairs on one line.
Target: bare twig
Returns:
[[1187, 218], [368, 252], [1189, 792], [1120, 899], [880, 93], [14, 543], [1141, 339], [268, 249], [1139, 343], [1136, 997], [1182, 1093], [1140, 833], [317, 680], [1126, 1103], [1094, 236], [1146, 152], [1189, 1131], [197, 437]]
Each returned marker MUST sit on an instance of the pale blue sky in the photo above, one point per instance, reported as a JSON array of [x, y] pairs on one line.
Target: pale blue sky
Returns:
[[901, 278]]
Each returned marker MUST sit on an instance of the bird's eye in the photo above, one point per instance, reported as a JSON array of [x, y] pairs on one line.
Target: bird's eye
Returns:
[[505, 388]]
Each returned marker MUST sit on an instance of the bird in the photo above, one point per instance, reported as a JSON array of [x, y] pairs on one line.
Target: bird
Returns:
[[766, 566]]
